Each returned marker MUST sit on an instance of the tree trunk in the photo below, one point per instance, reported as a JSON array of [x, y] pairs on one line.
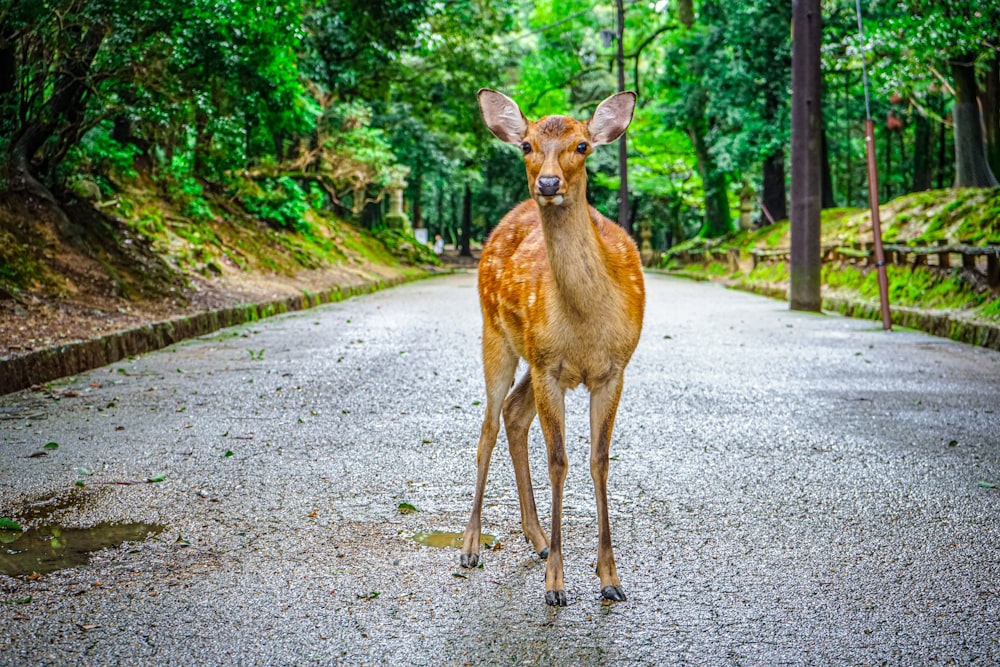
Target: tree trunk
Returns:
[[66, 99], [466, 249], [942, 161], [991, 114], [418, 192], [971, 168], [8, 68], [439, 215], [717, 218], [624, 217], [921, 153], [806, 170], [849, 179], [202, 143], [888, 166], [774, 196], [826, 181]]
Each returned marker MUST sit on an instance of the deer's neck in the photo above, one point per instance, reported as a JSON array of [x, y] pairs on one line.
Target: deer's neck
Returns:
[[577, 258]]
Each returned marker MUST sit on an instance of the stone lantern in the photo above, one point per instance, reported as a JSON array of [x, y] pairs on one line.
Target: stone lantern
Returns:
[[396, 218]]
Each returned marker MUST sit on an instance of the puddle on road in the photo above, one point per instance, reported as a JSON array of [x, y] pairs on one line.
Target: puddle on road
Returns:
[[49, 548], [443, 540]]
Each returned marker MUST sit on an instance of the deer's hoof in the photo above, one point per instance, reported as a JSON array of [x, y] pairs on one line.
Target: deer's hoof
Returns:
[[544, 553], [613, 593], [469, 561], [555, 598]]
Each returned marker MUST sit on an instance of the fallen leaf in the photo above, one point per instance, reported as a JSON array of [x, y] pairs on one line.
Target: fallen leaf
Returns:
[[50, 445], [18, 601], [10, 524]]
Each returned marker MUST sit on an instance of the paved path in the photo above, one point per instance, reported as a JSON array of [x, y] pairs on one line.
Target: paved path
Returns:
[[787, 488]]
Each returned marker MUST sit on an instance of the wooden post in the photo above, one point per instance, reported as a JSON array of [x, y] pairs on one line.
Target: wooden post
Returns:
[[943, 260], [883, 279], [624, 214], [968, 261], [804, 266]]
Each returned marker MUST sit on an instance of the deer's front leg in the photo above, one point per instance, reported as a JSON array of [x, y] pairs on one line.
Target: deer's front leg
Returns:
[[603, 407], [499, 366], [549, 400]]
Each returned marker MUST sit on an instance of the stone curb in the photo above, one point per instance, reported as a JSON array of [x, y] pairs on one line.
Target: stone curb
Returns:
[[41, 366], [943, 324]]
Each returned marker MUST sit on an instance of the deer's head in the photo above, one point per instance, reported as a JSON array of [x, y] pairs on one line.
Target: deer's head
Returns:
[[556, 147]]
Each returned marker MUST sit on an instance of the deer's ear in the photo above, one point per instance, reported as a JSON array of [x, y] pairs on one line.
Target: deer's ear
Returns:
[[611, 118], [502, 115]]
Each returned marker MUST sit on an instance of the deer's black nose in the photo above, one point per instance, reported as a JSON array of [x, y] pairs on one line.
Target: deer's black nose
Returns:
[[548, 186]]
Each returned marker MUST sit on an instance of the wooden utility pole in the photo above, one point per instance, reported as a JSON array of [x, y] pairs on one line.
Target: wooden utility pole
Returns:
[[623, 207], [883, 277], [806, 171]]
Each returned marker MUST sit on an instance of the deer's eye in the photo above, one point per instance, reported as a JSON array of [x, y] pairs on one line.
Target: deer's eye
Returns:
[[526, 147], [582, 147]]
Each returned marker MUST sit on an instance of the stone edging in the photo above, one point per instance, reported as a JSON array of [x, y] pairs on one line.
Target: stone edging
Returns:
[[41, 366], [943, 324]]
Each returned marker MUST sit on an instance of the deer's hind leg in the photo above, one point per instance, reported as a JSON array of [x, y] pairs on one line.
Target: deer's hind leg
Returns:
[[550, 403], [603, 407], [499, 366], [518, 413]]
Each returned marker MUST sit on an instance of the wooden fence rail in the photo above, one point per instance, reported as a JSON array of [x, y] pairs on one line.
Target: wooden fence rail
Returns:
[[982, 259]]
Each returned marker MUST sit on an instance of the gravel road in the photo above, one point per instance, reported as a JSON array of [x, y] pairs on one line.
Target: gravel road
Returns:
[[786, 488]]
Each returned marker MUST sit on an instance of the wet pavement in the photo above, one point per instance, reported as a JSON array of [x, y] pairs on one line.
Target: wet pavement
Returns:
[[786, 488]]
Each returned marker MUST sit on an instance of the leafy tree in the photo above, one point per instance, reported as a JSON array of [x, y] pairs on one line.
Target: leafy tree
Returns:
[[692, 77], [937, 37], [751, 98]]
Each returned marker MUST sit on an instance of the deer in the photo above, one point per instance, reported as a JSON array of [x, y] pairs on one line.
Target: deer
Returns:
[[561, 287]]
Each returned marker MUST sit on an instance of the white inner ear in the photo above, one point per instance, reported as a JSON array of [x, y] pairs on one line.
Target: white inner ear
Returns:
[[611, 118], [503, 117]]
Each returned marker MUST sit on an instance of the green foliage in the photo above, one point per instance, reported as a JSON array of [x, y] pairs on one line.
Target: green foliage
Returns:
[[99, 154], [358, 96], [188, 193], [769, 272], [991, 309], [908, 286], [280, 201]]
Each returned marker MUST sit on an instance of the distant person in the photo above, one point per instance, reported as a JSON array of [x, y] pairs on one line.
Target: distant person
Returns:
[[438, 245]]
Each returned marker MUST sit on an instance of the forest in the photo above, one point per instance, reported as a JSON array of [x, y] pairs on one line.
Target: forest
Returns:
[[285, 105]]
